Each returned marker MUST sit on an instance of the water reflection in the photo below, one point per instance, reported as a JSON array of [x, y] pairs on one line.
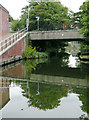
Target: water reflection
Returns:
[[72, 99], [58, 87], [73, 62], [49, 97], [4, 92]]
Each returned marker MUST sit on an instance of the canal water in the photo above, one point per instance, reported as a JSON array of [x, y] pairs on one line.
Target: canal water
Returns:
[[46, 88]]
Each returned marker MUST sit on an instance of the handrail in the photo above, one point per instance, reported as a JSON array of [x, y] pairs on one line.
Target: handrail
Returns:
[[12, 35], [11, 39]]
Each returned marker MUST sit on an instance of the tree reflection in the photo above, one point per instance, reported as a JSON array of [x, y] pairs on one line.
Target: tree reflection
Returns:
[[84, 97], [49, 97], [30, 65]]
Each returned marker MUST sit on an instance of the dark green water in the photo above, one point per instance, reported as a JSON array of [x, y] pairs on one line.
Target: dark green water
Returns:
[[46, 88]]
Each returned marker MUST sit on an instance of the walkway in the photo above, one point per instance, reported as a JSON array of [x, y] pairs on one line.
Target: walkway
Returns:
[[5, 36], [11, 40], [12, 46]]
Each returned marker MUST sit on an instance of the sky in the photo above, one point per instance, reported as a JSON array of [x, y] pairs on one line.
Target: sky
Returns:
[[14, 6]]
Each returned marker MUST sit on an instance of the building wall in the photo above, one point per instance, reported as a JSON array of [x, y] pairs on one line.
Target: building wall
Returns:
[[4, 21], [0, 22]]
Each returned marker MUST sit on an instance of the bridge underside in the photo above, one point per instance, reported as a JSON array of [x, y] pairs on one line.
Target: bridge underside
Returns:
[[65, 39], [51, 46]]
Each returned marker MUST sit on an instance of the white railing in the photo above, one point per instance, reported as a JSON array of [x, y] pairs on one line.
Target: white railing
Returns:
[[9, 40]]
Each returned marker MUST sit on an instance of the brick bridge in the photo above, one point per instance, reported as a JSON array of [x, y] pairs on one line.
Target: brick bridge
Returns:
[[13, 46]]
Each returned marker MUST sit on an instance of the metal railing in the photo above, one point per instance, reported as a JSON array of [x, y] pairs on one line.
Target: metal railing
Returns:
[[9, 40]]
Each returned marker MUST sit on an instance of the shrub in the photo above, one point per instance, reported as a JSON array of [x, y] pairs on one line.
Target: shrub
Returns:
[[29, 52]]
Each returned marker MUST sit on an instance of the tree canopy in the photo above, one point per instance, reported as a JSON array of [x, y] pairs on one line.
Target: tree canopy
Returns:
[[85, 20], [52, 15]]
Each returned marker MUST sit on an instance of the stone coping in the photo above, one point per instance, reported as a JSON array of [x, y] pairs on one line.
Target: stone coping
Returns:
[[3, 8]]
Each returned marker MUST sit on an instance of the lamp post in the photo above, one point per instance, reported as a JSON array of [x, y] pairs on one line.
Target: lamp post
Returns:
[[37, 17], [38, 92], [27, 21]]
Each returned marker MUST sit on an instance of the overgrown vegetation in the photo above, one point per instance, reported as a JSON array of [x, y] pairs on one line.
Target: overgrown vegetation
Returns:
[[30, 52], [83, 17], [85, 28]]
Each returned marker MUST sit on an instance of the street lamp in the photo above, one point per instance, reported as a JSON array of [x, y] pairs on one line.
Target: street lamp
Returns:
[[37, 17], [27, 21]]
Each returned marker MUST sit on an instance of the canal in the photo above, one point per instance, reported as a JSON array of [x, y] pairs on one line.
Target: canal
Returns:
[[57, 87]]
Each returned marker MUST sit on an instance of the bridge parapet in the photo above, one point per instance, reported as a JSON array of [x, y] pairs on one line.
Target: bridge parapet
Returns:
[[55, 35]]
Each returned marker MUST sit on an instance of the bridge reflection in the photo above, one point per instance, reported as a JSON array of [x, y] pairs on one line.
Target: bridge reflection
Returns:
[[50, 93], [21, 71], [45, 74]]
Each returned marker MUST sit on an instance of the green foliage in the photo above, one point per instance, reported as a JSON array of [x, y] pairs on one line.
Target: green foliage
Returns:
[[30, 52], [76, 19], [84, 47], [15, 25], [85, 25], [52, 16], [30, 65], [42, 54], [22, 21], [85, 19], [10, 19]]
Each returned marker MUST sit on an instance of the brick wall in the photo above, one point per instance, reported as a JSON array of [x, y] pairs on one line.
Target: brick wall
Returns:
[[15, 50], [0, 22], [4, 21], [18, 71], [4, 93]]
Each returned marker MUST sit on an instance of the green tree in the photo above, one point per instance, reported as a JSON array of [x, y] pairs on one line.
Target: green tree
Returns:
[[76, 19], [85, 20], [10, 18], [52, 15], [15, 25]]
